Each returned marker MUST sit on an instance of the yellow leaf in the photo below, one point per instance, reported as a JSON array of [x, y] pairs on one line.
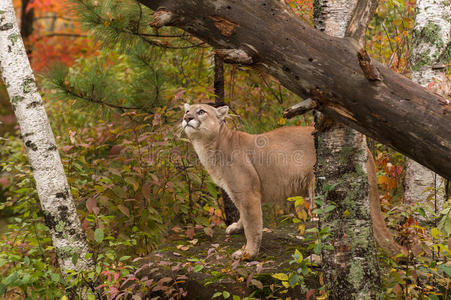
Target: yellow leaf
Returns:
[[301, 229], [303, 215], [435, 233], [282, 121], [280, 276]]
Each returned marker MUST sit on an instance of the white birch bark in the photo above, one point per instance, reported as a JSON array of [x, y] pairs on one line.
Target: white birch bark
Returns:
[[350, 270], [51, 182], [430, 37]]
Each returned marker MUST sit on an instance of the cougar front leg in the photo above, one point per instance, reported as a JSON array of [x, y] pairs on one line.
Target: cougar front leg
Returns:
[[251, 218], [235, 227]]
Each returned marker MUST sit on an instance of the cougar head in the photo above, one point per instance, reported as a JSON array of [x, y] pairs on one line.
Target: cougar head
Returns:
[[202, 120]]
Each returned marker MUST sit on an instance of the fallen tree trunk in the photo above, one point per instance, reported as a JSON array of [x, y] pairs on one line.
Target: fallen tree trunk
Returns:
[[267, 35]]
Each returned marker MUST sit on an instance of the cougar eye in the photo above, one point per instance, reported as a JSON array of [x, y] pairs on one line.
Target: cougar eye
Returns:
[[201, 112]]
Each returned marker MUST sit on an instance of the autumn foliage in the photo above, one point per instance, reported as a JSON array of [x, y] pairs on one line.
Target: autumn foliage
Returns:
[[114, 89]]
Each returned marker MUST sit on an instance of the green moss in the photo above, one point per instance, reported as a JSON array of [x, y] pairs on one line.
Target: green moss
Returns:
[[356, 275], [16, 99], [430, 34], [345, 154], [60, 226], [13, 37], [361, 238], [28, 84], [65, 252]]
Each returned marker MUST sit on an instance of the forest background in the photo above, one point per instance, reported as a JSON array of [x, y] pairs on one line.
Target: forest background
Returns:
[[114, 98]]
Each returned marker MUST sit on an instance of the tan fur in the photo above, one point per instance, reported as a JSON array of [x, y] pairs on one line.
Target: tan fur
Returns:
[[254, 168]]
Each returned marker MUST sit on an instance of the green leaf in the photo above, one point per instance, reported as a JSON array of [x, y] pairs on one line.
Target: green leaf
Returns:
[[11, 279], [445, 269], [421, 212], [91, 297], [217, 294], [225, 294], [124, 257], [280, 276], [75, 258], [211, 188], [198, 268], [317, 248], [294, 280], [55, 277], [330, 208], [99, 235], [235, 297]]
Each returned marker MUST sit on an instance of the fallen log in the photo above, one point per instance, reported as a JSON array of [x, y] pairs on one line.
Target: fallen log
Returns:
[[389, 108]]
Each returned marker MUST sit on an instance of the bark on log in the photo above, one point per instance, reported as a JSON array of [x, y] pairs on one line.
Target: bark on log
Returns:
[[395, 111]]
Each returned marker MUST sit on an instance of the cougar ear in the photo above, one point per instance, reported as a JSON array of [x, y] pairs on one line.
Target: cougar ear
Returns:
[[186, 105], [222, 111]]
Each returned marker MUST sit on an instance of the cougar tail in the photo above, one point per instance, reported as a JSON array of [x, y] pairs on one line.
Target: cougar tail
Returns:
[[380, 230]]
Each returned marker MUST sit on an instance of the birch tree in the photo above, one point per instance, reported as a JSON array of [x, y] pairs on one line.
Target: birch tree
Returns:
[[350, 269], [54, 193], [430, 42]]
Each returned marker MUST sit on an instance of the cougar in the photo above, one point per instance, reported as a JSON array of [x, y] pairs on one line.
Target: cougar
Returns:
[[253, 168]]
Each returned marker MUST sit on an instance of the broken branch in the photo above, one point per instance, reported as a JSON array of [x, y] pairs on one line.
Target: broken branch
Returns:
[[369, 70], [299, 108], [234, 56]]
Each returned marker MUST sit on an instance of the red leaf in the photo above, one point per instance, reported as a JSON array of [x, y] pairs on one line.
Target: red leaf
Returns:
[[67, 148], [4, 181], [309, 294], [190, 232], [124, 210], [208, 231], [115, 150], [91, 205]]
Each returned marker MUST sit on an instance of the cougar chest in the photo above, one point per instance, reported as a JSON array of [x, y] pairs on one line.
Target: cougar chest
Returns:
[[213, 161]]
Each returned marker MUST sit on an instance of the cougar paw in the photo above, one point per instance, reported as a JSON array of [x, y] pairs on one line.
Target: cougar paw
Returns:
[[233, 228], [244, 255]]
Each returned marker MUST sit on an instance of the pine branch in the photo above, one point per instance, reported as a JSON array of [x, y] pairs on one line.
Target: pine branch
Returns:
[[110, 31], [49, 35], [93, 99]]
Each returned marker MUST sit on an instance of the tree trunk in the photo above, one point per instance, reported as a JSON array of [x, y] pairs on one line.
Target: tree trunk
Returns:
[[54, 193], [232, 214], [430, 38], [350, 269], [266, 34], [26, 20]]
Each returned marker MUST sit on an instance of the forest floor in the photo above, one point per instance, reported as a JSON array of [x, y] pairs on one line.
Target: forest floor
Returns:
[[202, 267]]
